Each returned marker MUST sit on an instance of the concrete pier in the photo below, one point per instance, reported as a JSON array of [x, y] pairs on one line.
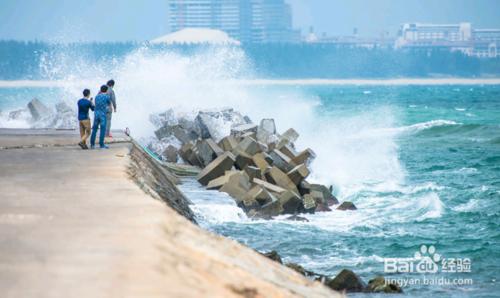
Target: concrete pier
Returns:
[[73, 223]]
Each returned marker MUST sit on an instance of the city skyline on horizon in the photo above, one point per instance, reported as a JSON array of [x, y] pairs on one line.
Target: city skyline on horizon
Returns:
[[80, 20]]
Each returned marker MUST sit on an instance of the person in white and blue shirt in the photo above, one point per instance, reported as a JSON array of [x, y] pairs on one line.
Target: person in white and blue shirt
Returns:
[[102, 106]]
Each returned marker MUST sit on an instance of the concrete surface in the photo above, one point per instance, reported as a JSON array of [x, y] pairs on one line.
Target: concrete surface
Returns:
[[73, 224]]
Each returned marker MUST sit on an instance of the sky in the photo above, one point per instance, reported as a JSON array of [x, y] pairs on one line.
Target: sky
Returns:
[[123, 20]]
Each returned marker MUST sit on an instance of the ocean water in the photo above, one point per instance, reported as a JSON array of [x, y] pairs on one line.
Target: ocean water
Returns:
[[421, 163], [432, 179]]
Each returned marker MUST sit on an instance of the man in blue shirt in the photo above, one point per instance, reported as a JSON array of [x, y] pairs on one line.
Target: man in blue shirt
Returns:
[[84, 105], [102, 104]]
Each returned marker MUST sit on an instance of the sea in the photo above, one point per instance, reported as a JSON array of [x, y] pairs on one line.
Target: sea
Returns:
[[419, 159]]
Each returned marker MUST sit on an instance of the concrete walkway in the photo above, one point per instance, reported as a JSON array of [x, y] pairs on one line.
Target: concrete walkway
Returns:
[[73, 224]]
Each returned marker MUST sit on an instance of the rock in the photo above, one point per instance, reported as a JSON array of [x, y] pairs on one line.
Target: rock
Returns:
[[208, 150], [277, 177], [304, 157], [266, 129], [242, 129], [297, 218], [378, 285], [273, 255], [347, 206], [270, 187], [228, 143], [253, 172], [281, 161], [347, 281], [249, 146], [170, 154], [290, 202], [298, 174], [321, 207], [216, 168], [297, 268], [237, 186], [38, 110]]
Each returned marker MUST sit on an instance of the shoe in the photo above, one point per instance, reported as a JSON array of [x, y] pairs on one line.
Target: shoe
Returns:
[[92, 147], [104, 147], [85, 147], [82, 145]]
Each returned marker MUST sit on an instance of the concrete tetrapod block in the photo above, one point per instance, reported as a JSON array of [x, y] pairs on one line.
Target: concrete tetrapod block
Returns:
[[260, 161], [253, 172], [276, 176], [208, 151], [237, 186], [185, 151], [257, 197], [305, 157], [242, 129], [291, 135], [216, 168], [281, 161], [266, 128], [290, 202], [170, 154], [298, 174], [289, 151], [309, 203], [217, 183], [242, 159], [272, 208], [38, 110], [228, 143], [329, 199], [270, 187], [248, 145]]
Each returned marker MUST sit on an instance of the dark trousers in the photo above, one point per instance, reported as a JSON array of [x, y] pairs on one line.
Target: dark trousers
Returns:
[[99, 122]]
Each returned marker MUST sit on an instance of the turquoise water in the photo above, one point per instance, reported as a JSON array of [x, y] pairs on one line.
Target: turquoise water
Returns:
[[447, 145], [422, 164]]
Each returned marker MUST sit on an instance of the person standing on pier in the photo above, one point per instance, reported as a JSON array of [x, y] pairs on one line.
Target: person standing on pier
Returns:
[[112, 108], [84, 105], [102, 106]]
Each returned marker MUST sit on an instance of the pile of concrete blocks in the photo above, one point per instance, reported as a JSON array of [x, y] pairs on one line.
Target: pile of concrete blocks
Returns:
[[258, 167]]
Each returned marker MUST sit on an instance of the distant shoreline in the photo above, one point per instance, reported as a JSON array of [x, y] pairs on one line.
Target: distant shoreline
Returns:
[[287, 82]]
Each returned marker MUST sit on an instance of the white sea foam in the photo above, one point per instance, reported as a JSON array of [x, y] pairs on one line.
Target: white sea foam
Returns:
[[355, 153], [424, 125]]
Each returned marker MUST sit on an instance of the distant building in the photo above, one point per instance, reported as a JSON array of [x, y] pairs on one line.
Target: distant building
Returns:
[[249, 21], [454, 37], [432, 33]]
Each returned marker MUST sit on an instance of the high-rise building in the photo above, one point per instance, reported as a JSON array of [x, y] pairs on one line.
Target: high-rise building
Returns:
[[255, 21]]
